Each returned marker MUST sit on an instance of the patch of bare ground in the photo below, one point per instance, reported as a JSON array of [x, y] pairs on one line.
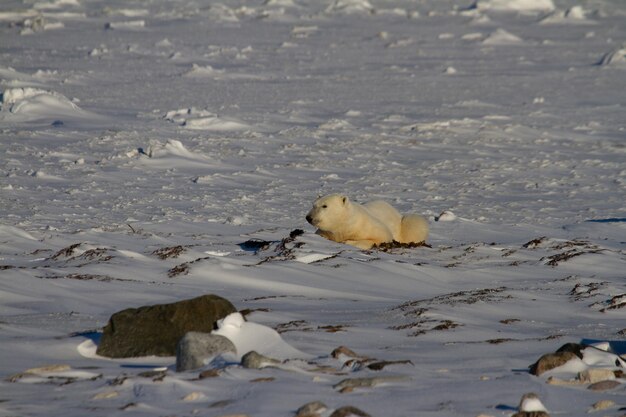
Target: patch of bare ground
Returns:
[[282, 250], [87, 277], [614, 303], [169, 252], [583, 291], [418, 310], [65, 252], [184, 268], [391, 246]]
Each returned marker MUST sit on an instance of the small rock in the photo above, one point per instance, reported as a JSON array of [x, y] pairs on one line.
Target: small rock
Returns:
[[312, 408], [550, 361], [268, 379], [105, 395], [221, 403], [194, 396], [42, 370], [596, 375], [195, 348], [604, 385], [342, 350], [156, 374], [209, 373], [367, 382], [603, 405], [48, 369], [557, 381], [349, 411], [255, 360], [356, 364], [377, 366]]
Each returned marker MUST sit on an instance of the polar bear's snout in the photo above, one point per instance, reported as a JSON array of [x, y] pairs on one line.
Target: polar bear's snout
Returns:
[[312, 218]]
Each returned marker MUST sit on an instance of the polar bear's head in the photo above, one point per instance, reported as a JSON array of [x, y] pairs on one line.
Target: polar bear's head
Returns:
[[329, 212]]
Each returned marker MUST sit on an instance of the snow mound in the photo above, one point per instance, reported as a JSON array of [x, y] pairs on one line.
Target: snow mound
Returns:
[[247, 336], [55, 4], [126, 25], [204, 120], [171, 148], [214, 123], [350, 7], [615, 58], [222, 13], [13, 234], [38, 23], [207, 71], [170, 155], [526, 6], [336, 124], [502, 37], [30, 103], [531, 403], [446, 216], [279, 3], [313, 257], [573, 15]]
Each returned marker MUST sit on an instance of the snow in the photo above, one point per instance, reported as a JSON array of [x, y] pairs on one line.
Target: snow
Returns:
[[127, 127], [248, 336], [530, 402], [515, 5]]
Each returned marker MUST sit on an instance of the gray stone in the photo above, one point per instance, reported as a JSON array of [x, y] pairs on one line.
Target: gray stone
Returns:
[[156, 330], [342, 350], [594, 375], [604, 385], [195, 347], [575, 348], [603, 405], [255, 360], [350, 383], [349, 411], [310, 409]]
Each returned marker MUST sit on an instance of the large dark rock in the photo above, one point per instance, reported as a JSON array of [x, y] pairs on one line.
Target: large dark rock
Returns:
[[550, 361], [575, 348], [155, 330]]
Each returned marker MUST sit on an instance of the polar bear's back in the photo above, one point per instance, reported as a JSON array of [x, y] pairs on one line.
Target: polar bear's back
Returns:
[[388, 215], [410, 228]]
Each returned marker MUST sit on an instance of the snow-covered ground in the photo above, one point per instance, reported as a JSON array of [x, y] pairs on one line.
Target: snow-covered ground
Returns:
[[128, 126]]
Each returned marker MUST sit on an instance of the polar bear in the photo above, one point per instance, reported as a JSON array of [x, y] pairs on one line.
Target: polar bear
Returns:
[[341, 220]]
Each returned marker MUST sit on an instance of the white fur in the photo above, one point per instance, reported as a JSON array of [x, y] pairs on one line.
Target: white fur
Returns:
[[341, 220]]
